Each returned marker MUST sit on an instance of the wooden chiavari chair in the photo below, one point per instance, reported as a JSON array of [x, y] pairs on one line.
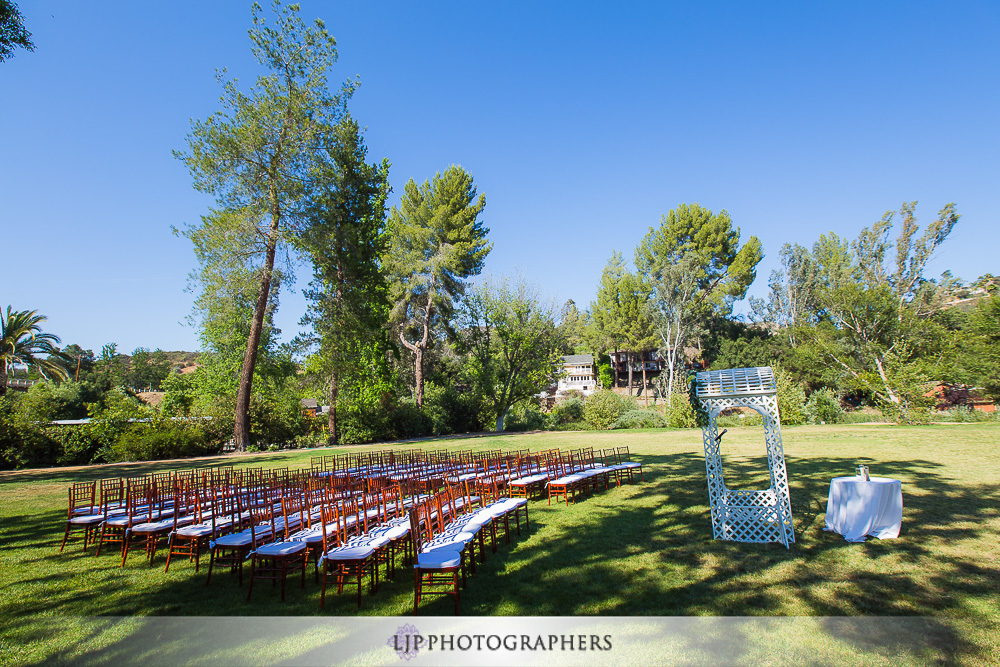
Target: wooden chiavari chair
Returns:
[[83, 514], [275, 559]]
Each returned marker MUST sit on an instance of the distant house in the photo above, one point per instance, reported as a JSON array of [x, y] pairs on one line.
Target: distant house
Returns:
[[310, 406], [620, 361], [578, 374]]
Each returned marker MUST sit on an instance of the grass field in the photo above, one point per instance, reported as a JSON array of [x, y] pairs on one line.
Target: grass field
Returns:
[[642, 549]]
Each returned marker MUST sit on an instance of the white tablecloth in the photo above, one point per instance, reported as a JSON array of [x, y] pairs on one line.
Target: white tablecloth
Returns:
[[857, 508]]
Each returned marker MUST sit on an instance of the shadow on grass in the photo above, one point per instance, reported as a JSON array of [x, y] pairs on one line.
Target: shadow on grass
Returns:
[[642, 549]]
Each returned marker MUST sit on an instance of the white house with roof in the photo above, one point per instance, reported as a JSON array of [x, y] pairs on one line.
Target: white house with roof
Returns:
[[578, 374]]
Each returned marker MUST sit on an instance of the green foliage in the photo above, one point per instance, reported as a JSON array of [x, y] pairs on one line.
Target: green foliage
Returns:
[[791, 398], [437, 243], [348, 296], [749, 350], [823, 407], [696, 267], [526, 416], [700, 413], [963, 414], [640, 419], [984, 325], [452, 411], [276, 418], [620, 314], [179, 394], [567, 411], [604, 375], [572, 329], [680, 414], [22, 343], [147, 369], [603, 408], [12, 31], [408, 420], [23, 443], [162, 438], [512, 344]]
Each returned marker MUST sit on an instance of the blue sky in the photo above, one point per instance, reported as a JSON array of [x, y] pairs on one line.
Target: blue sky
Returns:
[[581, 122]]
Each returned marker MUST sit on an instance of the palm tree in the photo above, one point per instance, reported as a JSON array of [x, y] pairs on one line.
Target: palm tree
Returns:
[[22, 340]]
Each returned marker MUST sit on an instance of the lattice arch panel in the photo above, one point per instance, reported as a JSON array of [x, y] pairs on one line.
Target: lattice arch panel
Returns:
[[745, 516]]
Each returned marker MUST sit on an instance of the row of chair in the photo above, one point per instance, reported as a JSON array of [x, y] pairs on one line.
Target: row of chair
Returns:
[[351, 516]]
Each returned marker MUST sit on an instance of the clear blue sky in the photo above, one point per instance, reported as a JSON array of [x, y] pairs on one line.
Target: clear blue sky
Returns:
[[581, 122]]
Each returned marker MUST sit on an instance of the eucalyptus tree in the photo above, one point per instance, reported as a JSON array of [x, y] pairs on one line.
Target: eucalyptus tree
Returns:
[[437, 243], [258, 155], [22, 343], [875, 343], [346, 242], [12, 31], [695, 266], [512, 342]]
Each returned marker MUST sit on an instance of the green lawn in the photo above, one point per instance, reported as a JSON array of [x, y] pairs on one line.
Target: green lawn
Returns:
[[642, 549]]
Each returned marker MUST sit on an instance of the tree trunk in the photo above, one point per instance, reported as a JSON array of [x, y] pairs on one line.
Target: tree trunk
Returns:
[[500, 419], [3, 378], [241, 429], [645, 392], [628, 360], [331, 419], [418, 370]]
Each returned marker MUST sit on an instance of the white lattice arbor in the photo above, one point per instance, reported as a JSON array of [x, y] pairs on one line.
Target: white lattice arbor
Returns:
[[745, 516]]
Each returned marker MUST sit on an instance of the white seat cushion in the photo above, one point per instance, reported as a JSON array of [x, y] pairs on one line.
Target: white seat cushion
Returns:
[[374, 541], [197, 530], [353, 552], [309, 536], [568, 479], [152, 527], [234, 540], [281, 548], [86, 519], [438, 560]]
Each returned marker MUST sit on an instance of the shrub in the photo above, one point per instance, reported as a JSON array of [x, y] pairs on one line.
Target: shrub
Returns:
[[791, 398], [525, 416], [23, 444], [276, 419], [569, 410], [823, 407], [163, 438], [77, 444], [408, 421], [603, 408], [451, 411], [359, 423], [680, 414], [640, 419]]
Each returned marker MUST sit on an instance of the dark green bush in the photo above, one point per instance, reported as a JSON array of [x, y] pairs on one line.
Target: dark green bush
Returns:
[[451, 411], [163, 438], [408, 421]]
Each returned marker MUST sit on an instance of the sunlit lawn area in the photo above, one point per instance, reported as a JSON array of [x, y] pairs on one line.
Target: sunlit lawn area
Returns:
[[642, 549]]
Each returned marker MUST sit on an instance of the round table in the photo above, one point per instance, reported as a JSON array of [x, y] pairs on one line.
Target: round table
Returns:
[[858, 507]]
